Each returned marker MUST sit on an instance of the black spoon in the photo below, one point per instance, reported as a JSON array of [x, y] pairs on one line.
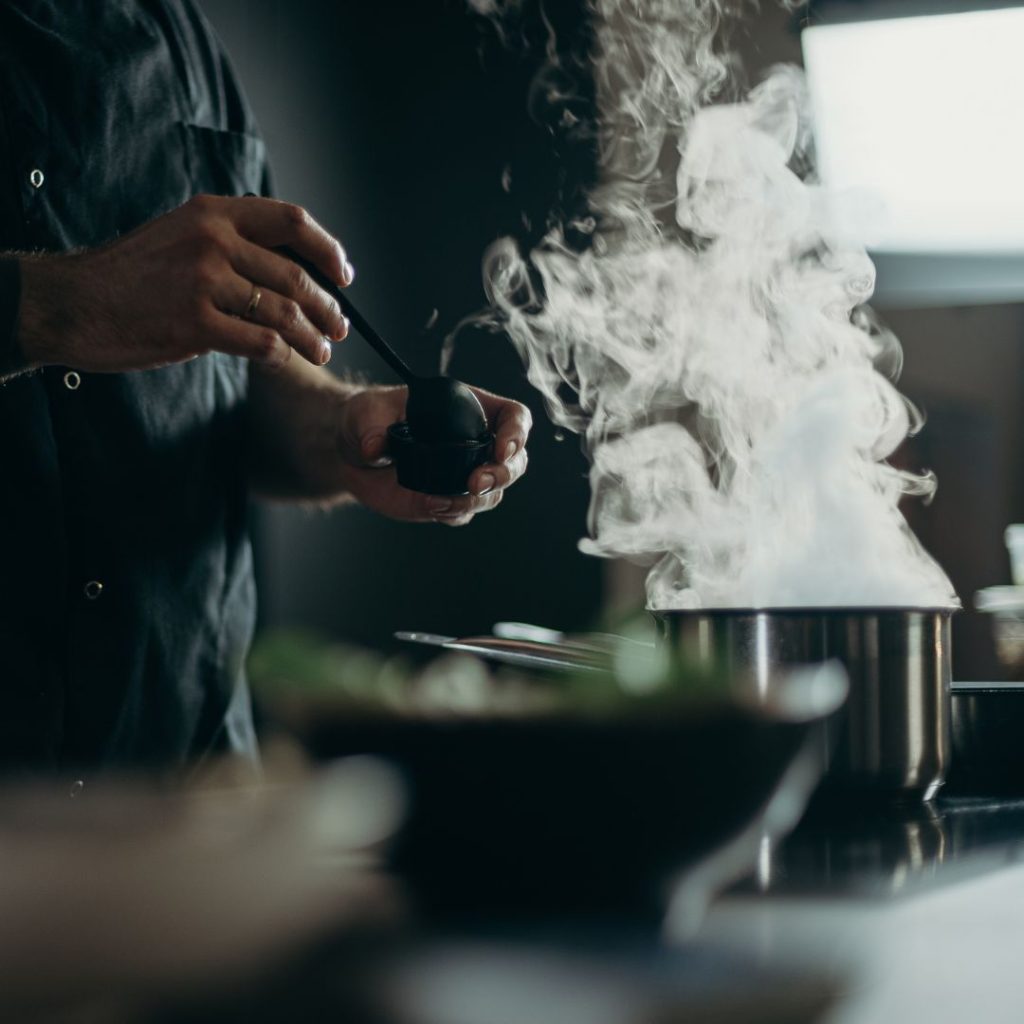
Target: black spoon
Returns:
[[438, 409]]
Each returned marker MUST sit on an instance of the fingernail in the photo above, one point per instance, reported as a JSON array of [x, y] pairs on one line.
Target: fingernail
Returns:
[[510, 449], [439, 505], [341, 329], [486, 484], [350, 272], [325, 353], [381, 462], [345, 325]]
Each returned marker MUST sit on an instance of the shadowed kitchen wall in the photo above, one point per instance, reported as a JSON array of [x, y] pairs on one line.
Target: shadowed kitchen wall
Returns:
[[393, 124]]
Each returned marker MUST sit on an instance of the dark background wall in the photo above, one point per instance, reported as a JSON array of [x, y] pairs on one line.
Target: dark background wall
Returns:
[[393, 124]]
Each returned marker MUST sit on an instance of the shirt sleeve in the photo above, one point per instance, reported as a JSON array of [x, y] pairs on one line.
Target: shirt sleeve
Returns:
[[10, 300]]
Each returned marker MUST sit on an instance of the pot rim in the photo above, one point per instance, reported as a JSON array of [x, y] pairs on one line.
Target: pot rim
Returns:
[[806, 610]]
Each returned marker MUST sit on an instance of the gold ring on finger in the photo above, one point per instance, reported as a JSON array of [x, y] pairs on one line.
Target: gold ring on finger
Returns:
[[254, 302]]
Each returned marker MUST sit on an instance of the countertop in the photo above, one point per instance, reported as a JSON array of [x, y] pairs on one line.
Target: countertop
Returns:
[[859, 917], [887, 851], [918, 915]]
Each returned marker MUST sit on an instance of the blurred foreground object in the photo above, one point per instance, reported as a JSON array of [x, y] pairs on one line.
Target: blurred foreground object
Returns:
[[568, 796], [1005, 605], [128, 895]]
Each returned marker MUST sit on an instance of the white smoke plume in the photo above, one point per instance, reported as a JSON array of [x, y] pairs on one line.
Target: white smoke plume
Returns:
[[712, 344]]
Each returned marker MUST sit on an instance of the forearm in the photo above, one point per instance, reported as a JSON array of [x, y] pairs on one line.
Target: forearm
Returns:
[[294, 433]]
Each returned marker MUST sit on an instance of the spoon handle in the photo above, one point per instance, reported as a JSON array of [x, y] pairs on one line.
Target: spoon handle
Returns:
[[382, 348]]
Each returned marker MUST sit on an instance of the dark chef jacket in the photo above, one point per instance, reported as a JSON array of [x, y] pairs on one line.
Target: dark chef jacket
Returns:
[[126, 591]]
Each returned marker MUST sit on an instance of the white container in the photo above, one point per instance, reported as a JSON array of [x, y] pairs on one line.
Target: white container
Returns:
[[1000, 600], [1006, 607], [1014, 537]]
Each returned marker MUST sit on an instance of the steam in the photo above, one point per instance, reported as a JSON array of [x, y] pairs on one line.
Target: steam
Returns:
[[711, 342]]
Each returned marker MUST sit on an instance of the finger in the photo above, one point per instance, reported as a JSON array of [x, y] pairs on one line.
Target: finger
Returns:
[[235, 294], [466, 515], [239, 337], [379, 490], [498, 476], [373, 450], [454, 520], [366, 416], [271, 223], [270, 270], [510, 421], [448, 508]]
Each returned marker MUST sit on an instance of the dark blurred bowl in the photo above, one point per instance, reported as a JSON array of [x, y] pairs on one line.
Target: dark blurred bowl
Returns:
[[558, 813]]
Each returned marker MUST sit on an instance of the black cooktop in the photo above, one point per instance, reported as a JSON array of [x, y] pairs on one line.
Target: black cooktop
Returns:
[[893, 850], [885, 850]]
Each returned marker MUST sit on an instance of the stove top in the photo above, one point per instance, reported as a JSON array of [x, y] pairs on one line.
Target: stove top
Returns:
[[893, 851]]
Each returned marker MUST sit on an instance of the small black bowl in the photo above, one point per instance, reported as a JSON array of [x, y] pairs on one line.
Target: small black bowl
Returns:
[[436, 467]]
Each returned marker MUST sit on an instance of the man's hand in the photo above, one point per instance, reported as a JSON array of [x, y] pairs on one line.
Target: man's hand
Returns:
[[178, 286], [365, 418]]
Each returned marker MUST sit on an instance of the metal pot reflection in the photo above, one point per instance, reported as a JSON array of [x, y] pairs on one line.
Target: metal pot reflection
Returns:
[[892, 739]]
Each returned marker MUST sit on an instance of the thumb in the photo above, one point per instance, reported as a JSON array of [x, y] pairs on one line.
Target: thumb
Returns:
[[373, 448], [366, 417]]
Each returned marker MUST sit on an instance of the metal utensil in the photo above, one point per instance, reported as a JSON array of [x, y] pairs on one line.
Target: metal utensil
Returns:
[[546, 635], [893, 736], [439, 409], [523, 653]]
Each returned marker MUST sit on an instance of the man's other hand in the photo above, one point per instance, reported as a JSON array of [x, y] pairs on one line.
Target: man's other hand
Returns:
[[365, 418], [201, 278]]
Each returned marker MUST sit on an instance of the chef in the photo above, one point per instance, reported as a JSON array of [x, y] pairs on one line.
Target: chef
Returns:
[[159, 364]]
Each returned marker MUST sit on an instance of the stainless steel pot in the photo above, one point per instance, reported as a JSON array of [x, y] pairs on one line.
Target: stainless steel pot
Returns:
[[893, 736]]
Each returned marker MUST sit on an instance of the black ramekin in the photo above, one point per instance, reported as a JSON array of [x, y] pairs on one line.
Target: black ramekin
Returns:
[[436, 468]]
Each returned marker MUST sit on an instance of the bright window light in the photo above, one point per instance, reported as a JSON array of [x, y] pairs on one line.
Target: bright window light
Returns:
[[918, 123]]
